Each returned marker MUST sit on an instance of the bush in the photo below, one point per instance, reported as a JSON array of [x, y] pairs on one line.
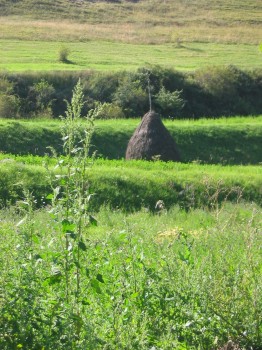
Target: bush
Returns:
[[42, 94], [131, 96], [170, 103], [9, 103], [108, 111], [6, 86], [63, 54], [228, 90], [208, 92], [102, 86], [9, 106]]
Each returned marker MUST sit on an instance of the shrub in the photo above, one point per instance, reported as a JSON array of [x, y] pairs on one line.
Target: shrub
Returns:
[[170, 103], [63, 54], [42, 93], [9, 103], [103, 86], [208, 92], [132, 96], [9, 106], [6, 87], [108, 111]]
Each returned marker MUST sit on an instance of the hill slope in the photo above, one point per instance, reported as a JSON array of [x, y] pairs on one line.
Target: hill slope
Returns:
[[140, 21]]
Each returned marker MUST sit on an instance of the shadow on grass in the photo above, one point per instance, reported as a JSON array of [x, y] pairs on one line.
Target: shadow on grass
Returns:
[[66, 61]]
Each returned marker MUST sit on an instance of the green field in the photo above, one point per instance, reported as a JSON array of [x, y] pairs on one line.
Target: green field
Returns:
[[20, 55], [126, 35], [213, 141], [133, 185]]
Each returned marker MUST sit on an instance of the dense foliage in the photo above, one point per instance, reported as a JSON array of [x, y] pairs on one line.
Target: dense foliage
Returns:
[[210, 92]]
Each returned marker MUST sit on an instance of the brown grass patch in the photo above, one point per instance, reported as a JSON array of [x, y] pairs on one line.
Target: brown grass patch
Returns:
[[143, 32]]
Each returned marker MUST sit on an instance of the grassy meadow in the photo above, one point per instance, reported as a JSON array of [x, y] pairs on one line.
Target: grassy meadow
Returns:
[[172, 280], [21, 55], [91, 259], [133, 185], [107, 254], [228, 141], [126, 35], [142, 22]]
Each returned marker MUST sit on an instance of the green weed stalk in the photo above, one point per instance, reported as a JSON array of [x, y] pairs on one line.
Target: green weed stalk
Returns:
[[70, 201]]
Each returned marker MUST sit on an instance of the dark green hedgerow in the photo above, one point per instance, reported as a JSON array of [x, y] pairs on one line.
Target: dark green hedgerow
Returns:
[[211, 92]]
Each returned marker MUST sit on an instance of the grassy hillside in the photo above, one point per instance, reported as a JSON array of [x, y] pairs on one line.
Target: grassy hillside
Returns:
[[135, 184], [194, 34], [225, 141], [142, 21]]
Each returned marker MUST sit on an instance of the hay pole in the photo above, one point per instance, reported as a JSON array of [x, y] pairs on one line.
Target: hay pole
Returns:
[[149, 92]]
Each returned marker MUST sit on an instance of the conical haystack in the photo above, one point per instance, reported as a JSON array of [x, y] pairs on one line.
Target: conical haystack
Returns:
[[152, 140]]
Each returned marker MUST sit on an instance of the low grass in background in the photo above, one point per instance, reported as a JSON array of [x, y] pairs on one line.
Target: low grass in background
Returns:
[[114, 36], [21, 55]]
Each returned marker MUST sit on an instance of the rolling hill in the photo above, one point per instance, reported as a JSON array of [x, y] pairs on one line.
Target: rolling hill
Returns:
[[144, 21]]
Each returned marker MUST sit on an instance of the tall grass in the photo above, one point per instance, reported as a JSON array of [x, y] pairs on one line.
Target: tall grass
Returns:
[[171, 280]]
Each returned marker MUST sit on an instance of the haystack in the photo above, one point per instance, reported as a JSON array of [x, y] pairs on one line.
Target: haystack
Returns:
[[151, 140]]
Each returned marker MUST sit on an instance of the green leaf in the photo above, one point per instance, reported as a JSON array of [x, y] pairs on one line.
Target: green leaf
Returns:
[[134, 295], [54, 279], [71, 234], [50, 196], [68, 226], [77, 264], [95, 286], [37, 257], [62, 182], [92, 220], [82, 246], [35, 238], [99, 277]]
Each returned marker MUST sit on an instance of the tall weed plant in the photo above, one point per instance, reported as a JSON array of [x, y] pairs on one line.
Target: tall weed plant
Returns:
[[70, 209]]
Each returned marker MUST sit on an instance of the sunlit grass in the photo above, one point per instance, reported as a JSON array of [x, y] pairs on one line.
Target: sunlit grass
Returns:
[[18, 55], [112, 36], [127, 123]]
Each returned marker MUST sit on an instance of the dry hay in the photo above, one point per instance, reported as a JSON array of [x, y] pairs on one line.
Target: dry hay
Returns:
[[151, 140]]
